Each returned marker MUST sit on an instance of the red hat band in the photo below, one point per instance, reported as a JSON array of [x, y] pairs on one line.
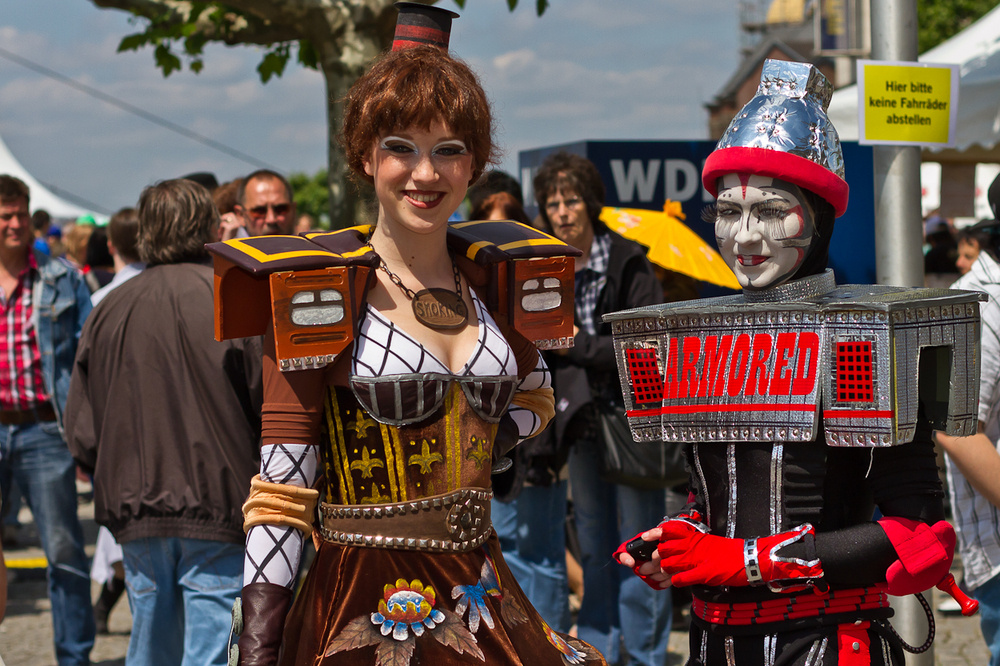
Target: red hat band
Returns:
[[420, 24]]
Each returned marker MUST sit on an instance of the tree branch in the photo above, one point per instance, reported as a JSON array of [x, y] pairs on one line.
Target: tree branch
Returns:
[[246, 25]]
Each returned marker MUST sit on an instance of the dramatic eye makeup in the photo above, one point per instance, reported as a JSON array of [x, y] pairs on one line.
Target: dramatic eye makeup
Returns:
[[398, 144], [450, 148]]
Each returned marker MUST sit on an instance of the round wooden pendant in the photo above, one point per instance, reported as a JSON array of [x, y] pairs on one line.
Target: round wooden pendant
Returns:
[[440, 308]]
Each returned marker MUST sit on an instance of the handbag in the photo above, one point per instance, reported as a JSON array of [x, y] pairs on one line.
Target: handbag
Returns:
[[643, 465]]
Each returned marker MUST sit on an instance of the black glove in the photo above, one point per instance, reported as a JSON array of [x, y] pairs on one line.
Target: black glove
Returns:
[[265, 606]]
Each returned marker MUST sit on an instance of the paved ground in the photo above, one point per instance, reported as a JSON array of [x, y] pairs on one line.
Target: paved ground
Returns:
[[26, 632]]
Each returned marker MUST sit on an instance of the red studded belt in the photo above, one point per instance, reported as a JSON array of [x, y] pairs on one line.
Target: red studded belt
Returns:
[[835, 602]]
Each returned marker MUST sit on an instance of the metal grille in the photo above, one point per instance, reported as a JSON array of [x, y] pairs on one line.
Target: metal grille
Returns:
[[644, 373], [854, 371]]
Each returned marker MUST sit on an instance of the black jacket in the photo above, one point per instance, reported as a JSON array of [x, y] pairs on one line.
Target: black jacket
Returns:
[[588, 369], [165, 417]]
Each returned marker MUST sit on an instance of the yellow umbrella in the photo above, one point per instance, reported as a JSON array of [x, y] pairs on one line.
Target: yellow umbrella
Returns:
[[671, 243]]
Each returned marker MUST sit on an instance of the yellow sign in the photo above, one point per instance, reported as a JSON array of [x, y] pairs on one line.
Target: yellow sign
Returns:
[[906, 103]]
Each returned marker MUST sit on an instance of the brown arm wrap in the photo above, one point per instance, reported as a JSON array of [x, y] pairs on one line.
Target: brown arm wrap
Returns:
[[541, 401], [280, 504]]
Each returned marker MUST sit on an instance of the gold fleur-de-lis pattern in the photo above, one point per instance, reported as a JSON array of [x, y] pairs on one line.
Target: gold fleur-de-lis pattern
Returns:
[[370, 462], [479, 452], [366, 464], [362, 423], [426, 458]]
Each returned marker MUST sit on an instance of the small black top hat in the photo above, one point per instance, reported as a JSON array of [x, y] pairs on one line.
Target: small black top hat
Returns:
[[422, 24]]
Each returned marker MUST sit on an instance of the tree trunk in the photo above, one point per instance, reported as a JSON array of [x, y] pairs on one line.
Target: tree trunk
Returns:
[[344, 194], [342, 60]]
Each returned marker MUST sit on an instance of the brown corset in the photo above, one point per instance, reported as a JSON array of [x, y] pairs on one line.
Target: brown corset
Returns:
[[367, 462]]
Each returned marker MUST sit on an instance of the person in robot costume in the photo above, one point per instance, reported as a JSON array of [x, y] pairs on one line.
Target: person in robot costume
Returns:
[[777, 541]]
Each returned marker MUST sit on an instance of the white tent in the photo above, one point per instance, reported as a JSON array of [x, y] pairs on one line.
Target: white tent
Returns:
[[977, 52], [968, 167], [41, 197]]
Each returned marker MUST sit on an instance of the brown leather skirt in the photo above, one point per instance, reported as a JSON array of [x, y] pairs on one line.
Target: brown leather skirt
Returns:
[[364, 605]]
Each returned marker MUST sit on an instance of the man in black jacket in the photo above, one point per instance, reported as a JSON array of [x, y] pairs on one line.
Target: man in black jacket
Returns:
[[168, 421], [612, 274]]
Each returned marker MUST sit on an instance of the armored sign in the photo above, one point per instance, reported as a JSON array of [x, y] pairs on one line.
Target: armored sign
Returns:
[[863, 358]]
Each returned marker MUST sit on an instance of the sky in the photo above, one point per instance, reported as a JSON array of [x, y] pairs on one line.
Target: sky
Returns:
[[586, 69]]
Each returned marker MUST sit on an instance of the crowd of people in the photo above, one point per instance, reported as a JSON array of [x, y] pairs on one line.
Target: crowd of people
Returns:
[[53, 413], [949, 250], [215, 463]]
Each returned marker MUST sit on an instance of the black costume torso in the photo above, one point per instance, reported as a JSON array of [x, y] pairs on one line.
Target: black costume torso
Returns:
[[755, 489]]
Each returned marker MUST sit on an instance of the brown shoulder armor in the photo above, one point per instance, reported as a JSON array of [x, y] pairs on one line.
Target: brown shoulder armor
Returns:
[[311, 287], [526, 277]]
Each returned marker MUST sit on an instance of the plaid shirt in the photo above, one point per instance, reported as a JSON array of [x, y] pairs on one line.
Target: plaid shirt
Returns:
[[589, 282], [975, 519], [21, 382]]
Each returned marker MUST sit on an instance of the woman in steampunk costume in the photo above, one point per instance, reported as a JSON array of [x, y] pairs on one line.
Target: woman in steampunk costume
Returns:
[[778, 544], [404, 420]]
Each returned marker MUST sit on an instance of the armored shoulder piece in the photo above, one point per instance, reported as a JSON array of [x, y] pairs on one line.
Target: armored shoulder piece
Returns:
[[313, 287], [529, 277], [863, 358]]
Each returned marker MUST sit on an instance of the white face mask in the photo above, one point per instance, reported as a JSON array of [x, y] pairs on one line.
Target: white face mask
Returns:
[[763, 228]]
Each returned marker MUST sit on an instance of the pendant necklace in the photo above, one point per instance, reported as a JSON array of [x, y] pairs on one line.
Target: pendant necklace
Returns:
[[435, 308]]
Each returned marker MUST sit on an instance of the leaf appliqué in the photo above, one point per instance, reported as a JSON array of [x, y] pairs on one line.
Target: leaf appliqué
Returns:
[[454, 634], [358, 633]]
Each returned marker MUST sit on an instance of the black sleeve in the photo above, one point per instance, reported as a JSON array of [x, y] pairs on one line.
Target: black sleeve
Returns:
[[904, 482], [639, 287]]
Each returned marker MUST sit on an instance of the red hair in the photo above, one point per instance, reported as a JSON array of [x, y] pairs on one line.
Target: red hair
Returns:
[[417, 86]]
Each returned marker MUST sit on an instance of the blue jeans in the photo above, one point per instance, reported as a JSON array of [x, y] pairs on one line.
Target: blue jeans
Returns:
[[532, 535], [181, 592], [617, 606], [37, 459], [988, 596]]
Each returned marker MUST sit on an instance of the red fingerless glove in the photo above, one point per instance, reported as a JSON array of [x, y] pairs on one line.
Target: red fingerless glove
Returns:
[[692, 557], [925, 553], [645, 579]]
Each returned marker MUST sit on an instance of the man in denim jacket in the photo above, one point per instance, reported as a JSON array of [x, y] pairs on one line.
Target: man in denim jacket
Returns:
[[43, 303]]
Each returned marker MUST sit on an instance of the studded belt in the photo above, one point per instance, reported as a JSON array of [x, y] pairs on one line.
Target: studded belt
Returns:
[[783, 608], [458, 521]]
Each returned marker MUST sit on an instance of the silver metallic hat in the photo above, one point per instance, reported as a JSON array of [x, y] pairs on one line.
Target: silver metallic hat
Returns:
[[784, 132]]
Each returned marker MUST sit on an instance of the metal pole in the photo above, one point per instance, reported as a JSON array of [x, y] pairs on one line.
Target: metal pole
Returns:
[[898, 227], [899, 233]]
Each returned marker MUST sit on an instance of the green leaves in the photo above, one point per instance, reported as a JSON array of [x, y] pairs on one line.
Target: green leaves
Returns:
[[938, 21], [273, 63], [312, 195], [308, 56], [132, 42], [166, 60], [540, 5]]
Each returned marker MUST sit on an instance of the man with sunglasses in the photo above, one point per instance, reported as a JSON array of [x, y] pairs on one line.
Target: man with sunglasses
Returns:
[[264, 201]]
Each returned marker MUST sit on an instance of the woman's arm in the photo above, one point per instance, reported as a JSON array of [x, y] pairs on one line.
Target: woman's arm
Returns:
[[533, 404], [281, 507]]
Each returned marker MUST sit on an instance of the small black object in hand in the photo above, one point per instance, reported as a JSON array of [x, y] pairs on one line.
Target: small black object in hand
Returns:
[[641, 551]]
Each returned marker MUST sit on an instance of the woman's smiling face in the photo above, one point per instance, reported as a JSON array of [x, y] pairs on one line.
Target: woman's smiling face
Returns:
[[421, 176], [763, 228]]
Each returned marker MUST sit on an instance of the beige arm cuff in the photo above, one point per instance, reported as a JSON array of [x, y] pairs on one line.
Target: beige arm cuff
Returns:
[[280, 504], [541, 401]]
